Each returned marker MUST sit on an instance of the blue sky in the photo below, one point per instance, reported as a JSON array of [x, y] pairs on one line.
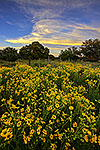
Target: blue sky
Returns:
[[57, 24]]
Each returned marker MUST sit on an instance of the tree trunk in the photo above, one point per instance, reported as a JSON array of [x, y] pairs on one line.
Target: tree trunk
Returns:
[[29, 61]]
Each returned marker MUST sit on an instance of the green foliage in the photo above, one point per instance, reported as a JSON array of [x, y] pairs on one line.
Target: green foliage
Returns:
[[9, 54], [91, 49], [69, 54], [34, 51], [51, 57]]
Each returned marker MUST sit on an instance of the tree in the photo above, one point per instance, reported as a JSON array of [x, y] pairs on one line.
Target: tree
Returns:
[[9, 54], [51, 57], [65, 55], [0, 54], [34, 51], [46, 53], [69, 53], [24, 53], [91, 49]]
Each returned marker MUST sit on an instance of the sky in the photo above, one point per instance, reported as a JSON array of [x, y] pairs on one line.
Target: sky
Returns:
[[56, 24]]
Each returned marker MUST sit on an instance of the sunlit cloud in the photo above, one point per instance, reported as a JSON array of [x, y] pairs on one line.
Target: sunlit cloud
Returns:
[[16, 47], [85, 27], [53, 42], [52, 23], [22, 40], [35, 34], [57, 33], [2, 47], [58, 42]]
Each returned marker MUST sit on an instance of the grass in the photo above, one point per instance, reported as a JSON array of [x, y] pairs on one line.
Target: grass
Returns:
[[41, 63]]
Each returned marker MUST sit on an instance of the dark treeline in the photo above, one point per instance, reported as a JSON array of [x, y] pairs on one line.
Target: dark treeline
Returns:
[[89, 51], [31, 51]]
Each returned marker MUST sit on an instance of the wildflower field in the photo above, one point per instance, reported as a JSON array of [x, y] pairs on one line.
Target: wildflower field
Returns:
[[55, 107]]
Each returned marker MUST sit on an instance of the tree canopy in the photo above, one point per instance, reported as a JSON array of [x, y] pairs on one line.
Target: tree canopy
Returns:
[[91, 49], [9, 54], [69, 53], [34, 51]]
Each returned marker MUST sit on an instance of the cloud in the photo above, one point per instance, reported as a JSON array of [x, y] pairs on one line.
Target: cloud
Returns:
[[48, 32], [36, 34], [16, 47], [22, 40], [48, 26], [80, 3], [45, 41], [58, 33], [52, 28], [8, 22], [86, 27], [42, 9], [2, 47]]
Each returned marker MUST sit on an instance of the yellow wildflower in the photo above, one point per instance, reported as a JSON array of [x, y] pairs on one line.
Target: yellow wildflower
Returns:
[[89, 133], [44, 140], [19, 124], [8, 136], [25, 139], [44, 132], [99, 139], [57, 105], [3, 133], [38, 131], [94, 138], [59, 136], [86, 138], [74, 124], [53, 146], [53, 116], [84, 130], [51, 136], [71, 107], [68, 144]]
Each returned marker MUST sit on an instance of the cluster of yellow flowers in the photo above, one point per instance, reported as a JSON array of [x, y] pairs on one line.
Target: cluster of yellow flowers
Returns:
[[49, 107], [7, 134]]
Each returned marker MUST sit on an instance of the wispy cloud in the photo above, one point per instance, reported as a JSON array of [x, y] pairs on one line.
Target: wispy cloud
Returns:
[[8, 22], [42, 9], [46, 9], [80, 3], [58, 33], [50, 27]]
